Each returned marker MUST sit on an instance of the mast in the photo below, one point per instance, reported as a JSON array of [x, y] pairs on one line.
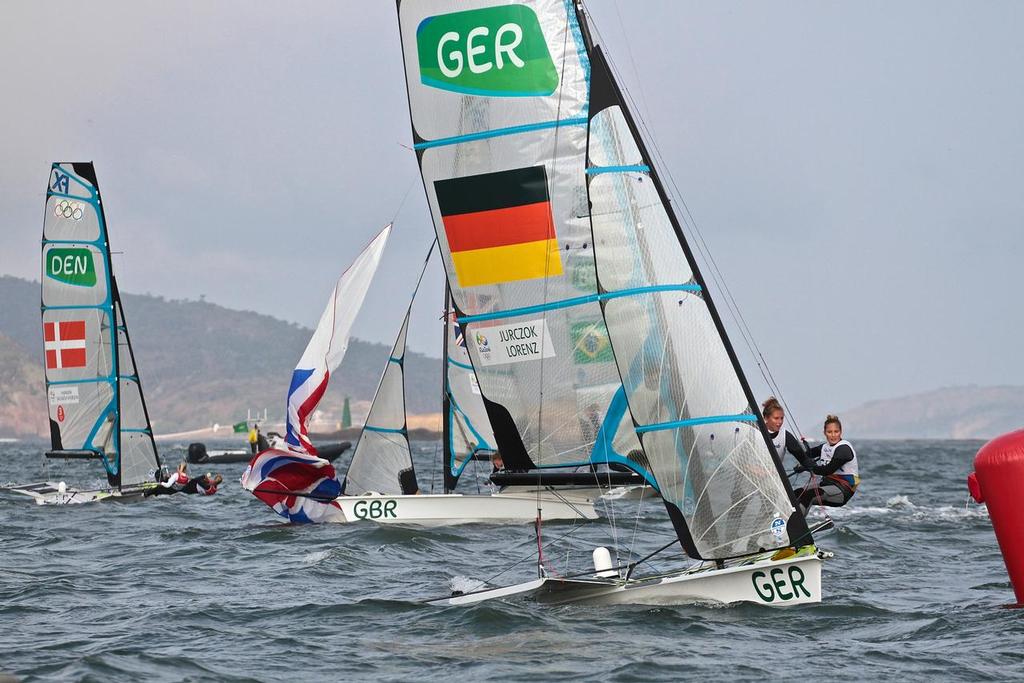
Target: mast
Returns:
[[448, 457]]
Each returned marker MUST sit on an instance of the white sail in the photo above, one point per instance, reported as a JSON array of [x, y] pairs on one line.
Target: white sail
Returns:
[[329, 342]]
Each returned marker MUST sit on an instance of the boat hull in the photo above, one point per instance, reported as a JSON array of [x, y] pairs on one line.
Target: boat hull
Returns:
[[49, 493], [793, 581], [454, 508]]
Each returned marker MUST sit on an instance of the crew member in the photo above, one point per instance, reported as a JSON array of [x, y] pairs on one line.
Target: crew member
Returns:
[[833, 465], [205, 484], [783, 439], [175, 483], [254, 438]]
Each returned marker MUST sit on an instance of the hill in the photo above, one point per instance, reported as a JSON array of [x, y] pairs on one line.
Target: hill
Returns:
[[199, 362], [969, 412]]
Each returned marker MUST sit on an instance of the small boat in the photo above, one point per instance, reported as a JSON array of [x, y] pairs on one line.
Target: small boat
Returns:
[[199, 454], [94, 392], [592, 332]]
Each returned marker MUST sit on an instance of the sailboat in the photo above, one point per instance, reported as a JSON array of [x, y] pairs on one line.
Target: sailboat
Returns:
[[94, 393], [553, 225], [381, 484]]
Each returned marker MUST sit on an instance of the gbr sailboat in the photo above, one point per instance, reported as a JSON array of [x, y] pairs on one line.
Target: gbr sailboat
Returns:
[[94, 393], [554, 227]]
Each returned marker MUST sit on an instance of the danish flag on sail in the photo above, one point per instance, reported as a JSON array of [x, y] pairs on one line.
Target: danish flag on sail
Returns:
[[295, 482], [64, 342]]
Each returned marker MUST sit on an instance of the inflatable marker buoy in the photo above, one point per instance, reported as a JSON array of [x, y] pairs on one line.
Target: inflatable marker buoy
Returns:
[[997, 481]]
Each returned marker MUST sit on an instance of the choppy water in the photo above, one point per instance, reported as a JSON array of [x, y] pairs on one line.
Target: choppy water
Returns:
[[218, 589]]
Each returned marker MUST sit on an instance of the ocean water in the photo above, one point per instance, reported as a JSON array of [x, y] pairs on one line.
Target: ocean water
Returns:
[[190, 588]]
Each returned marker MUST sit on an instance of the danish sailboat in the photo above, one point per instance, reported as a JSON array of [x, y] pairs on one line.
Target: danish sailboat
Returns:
[[554, 226], [96, 407]]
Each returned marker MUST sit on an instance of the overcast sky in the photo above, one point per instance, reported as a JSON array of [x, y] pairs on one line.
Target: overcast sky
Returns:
[[855, 167]]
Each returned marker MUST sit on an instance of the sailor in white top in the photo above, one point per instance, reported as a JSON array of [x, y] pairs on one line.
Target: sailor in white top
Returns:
[[835, 469]]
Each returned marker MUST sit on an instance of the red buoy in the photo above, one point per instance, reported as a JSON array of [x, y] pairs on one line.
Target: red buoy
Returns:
[[998, 481]]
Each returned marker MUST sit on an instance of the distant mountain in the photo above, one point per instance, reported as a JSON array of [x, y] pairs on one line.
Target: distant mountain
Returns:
[[200, 363], [21, 392], [969, 412]]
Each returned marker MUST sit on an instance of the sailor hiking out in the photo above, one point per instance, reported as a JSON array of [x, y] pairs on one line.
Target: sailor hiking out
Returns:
[[833, 466], [782, 439]]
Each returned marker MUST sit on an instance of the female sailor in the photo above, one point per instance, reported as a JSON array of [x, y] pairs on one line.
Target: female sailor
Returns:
[[833, 465], [784, 440]]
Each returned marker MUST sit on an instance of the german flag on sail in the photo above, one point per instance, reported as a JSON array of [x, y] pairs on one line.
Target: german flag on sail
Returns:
[[499, 226]]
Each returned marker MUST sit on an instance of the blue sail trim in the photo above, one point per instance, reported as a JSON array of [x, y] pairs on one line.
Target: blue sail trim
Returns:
[[101, 307], [603, 450], [111, 467], [581, 49], [710, 419], [137, 431], [638, 168], [481, 443], [109, 379], [384, 430], [464, 366], [498, 132], [62, 195], [578, 301], [392, 359]]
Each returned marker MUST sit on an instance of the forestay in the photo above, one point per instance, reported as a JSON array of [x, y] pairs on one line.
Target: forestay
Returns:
[[498, 96], [382, 460], [93, 389]]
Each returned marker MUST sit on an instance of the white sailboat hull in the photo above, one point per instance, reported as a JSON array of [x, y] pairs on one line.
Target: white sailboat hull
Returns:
[[455, 508], [793, 581], [49, 493]]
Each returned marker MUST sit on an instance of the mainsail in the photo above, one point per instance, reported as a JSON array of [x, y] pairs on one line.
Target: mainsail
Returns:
[[382, 460], [590, 328], [296, 483], [93, 389], [502, 167]]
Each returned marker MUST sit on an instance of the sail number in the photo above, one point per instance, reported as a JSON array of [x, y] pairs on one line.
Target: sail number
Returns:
[[375, 509], [780, 584]]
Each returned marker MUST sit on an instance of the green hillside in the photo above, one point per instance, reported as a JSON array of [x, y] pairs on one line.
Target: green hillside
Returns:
[[203, 363]]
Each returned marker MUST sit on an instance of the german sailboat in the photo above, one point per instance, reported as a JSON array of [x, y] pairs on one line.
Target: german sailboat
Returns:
[[553, 224], [94, 393]]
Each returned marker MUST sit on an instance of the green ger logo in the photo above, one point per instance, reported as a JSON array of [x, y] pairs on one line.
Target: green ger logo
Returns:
[[72, 266], [496, 51]]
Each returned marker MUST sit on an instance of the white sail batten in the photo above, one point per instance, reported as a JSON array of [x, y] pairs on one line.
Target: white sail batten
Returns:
[[94, 394]]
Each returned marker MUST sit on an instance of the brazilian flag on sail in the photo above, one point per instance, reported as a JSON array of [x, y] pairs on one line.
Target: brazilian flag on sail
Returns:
[[590, 343]]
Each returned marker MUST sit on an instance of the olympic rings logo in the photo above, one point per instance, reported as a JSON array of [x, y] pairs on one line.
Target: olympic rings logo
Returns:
[[68, 209]]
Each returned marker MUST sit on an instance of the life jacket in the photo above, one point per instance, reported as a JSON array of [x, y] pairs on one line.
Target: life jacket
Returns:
[[208, 491], [779, 441], [177, 481], [848, 473]]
